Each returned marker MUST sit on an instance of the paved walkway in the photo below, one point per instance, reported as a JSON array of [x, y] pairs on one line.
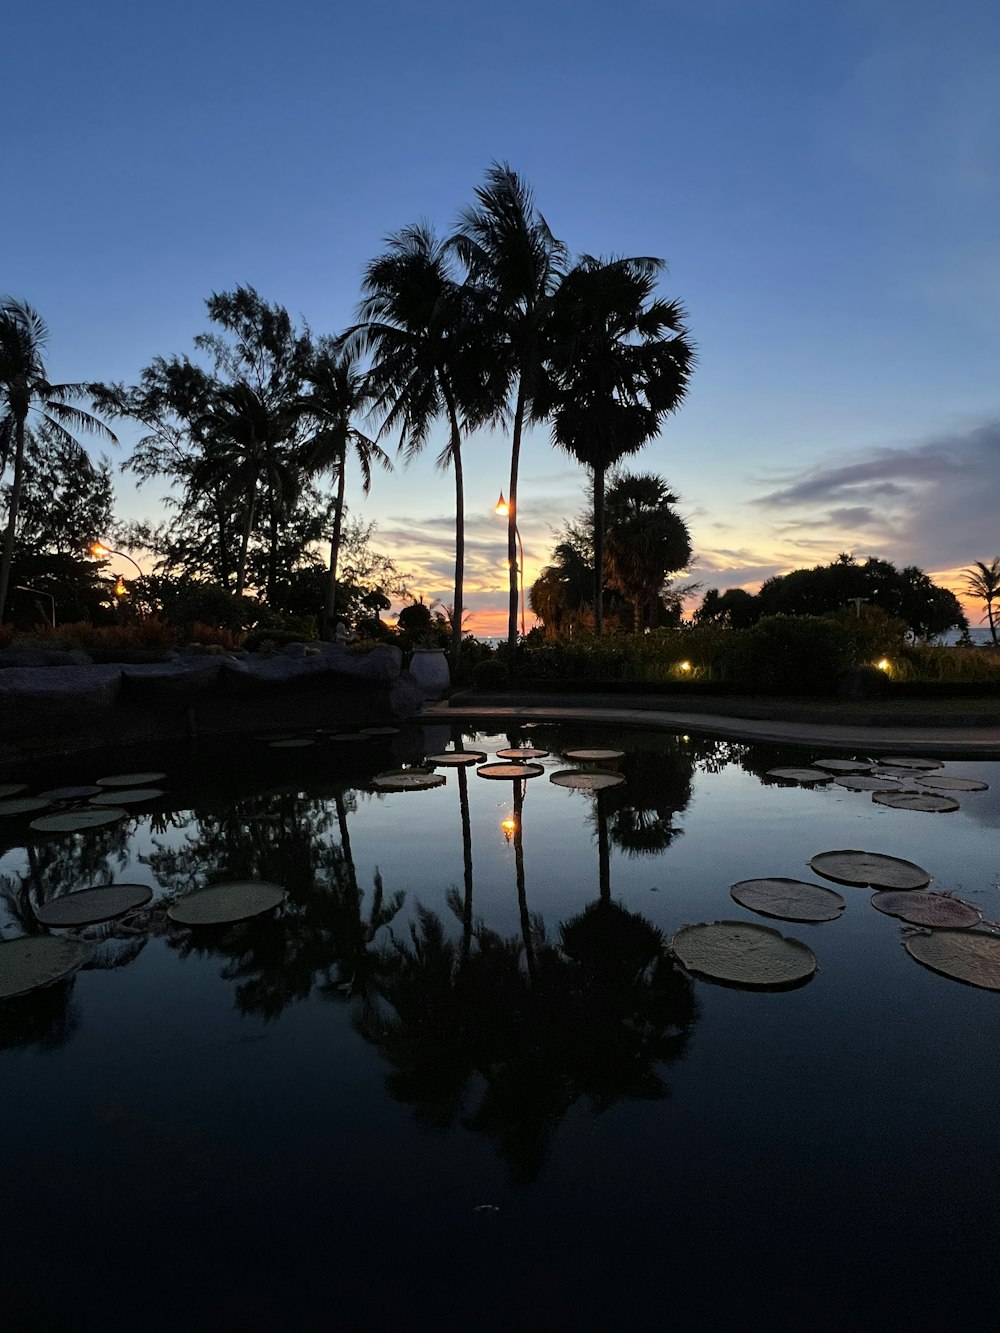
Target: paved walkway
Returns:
[[964, 742]]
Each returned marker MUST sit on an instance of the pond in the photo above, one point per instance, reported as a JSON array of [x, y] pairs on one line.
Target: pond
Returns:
[[457, 1080]]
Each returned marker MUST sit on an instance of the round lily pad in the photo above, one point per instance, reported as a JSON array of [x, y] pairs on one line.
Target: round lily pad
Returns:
[[525, 752], [869, 868], [962, 955], [12, 789], [586, 779], [844, 765], [788, 899], [907, 761], [595, 756], [742, 953], [455, 758], [222, 904], [22, 805], [39, 960], [69, 793], [74, 821], [940, 782], [408, 779], [127, 796], [928, 909], [510, 771], [130, 779], [915, 800], [104, 902], [292, 743], [868, 782], [350, 736], [799, 774], [380, 731]]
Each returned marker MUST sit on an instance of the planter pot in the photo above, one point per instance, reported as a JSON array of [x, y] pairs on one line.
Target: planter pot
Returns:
[[429, 668]]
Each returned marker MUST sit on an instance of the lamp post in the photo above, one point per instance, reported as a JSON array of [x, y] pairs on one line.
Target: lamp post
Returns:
[[39, 592], [503, 508], [101, 552]]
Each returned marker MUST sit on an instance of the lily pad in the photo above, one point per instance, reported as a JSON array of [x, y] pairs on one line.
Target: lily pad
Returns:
[[39, 960], [742, 953], [915, 800], [292, 743], [944, 783], [844, 765], [869, 868], [586, 779], [907, 761], [455, 758], [350, 736], [70, 793], [103, 902], [222, 904], [75, 821], [799, 774], [12, 789], [595, 756], [379, 731], [408, 779], [22, 805], [788, 899], [130, 779], [525, 752], [962, 955], [869, 782], [510, 771], [928, 909], [127, 796]]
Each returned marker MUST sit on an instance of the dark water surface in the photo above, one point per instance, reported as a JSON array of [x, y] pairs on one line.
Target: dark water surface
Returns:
[[456, 1082]]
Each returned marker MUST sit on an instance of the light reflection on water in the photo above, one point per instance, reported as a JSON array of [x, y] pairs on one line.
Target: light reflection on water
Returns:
[[305, 1114]]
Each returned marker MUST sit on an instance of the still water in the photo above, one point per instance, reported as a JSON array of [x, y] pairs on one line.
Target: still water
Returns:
[[439, 1090]]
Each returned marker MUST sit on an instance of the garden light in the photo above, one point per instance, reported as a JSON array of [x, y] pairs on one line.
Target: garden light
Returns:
[[684, 666], [884, 665]]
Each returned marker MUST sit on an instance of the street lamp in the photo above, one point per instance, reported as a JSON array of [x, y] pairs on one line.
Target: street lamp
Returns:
[[101, 552], [503, 508], [39, 592]]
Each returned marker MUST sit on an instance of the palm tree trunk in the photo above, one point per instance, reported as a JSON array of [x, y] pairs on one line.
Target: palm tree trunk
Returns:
[[515, 455], [330, 607], [17, 485], [456, 610], [598, 551], [241, 567]]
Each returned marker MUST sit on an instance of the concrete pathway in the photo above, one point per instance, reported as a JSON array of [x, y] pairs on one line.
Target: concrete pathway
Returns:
[[959, 742]]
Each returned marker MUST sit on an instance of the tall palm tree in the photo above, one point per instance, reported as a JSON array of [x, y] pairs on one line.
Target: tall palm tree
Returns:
[[428, 360], [617, 361], [336, 395], [25, 388], [982, 581], [514, 265], [646, 541]]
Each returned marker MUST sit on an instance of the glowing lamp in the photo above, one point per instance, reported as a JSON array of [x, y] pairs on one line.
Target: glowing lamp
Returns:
[[684, 666], [884, 665], [509, 827], [502, 507], [120, 589]]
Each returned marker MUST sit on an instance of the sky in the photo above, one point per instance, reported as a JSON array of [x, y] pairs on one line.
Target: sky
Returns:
[[822, 179]]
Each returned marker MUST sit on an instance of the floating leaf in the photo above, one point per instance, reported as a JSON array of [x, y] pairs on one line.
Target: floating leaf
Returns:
[[586, 779], [69, 793], [742, 953], [350, 736], [12, 789], [868, 782], [222, 904], [870, 868], [380, 731], [524, 752], [127, 796], [510, 771], [455, 758], [915, 800], [131, 779], [844, 765], [22, 805], [39, 960], [906, 761], [103, 902], [943, 783], [799, 774], [73, 821], [928, 909], [408, 779], [788, 899], [962, 955], [292, 743], [595, 756]]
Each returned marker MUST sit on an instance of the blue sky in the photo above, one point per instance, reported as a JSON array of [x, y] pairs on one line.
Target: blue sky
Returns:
[[823, 180]]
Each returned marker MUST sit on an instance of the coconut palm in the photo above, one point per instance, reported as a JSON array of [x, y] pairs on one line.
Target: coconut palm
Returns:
[[25, 388], [335, 396], [514, 265], [617, 361], [428, 360], [646, 541], [982, 581]]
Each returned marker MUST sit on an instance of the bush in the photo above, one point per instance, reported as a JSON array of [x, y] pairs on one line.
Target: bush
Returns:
[[791, 655]]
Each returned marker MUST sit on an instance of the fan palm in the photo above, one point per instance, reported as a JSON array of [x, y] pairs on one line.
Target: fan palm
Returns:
[[25, 388], [514, 264], [428, 360], [617, 362], [647, 540], [336, 395], [982, 581]]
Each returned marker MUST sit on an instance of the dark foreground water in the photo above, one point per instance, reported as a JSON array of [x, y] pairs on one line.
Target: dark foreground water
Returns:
[[452, 1085]]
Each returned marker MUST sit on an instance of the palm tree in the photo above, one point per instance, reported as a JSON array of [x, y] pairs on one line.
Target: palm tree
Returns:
[[336, 395], [647, 540], [617, 362], [514, 264], [25, 388], [983, 582], [428, 360]]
